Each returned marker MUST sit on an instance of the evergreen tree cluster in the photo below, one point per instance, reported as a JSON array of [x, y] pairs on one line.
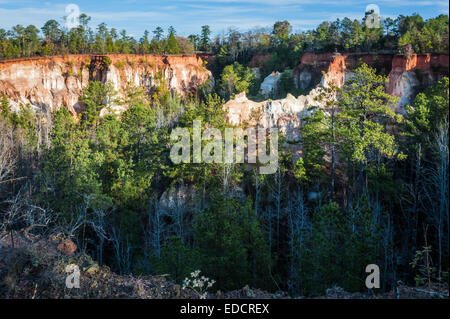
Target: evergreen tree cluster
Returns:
[[371, 186]]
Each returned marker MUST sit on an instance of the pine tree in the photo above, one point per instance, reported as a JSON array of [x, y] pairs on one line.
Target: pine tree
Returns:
[[172, 45], [366, 111], [4, 108], [231, 246]]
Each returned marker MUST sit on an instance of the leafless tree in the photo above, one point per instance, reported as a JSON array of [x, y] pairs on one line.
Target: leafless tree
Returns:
[[8, 156], [122, 249], [259, 181], [87, 218], [299, 230], [157, 229], [436, 187], [227, 170], [22, 214], [276, 188], [99, 226]]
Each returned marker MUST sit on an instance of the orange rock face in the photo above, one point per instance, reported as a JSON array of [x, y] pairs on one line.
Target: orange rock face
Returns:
[[52, 82], [334, 66], [404, 74], [336, 71], [413, 62], [321, 67], [67, 247], [408, 73]]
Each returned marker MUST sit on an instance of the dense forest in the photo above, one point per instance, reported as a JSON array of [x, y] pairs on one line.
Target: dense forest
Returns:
[[411, 33], [370, 188]]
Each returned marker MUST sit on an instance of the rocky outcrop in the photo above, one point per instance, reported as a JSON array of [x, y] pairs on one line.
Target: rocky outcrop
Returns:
[[326, 67], [286, 114], [67, 247], [270, 83], [240, 109], [405, 74], [51, 82], [176, 198], [35, 269], [314, 71], [409, 74]]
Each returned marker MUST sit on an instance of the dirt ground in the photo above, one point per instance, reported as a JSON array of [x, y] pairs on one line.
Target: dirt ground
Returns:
[[35, 268]]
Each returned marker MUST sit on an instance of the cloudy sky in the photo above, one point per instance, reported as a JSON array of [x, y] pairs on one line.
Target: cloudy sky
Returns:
[[187, 16]]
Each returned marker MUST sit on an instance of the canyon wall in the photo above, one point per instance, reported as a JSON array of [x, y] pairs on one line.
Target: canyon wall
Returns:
[[285, 114], [406, 75], [324, 67], [417, 71], [51, 82]]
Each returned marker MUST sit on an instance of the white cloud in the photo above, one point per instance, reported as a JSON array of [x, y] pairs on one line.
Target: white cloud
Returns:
[[127, 15], [26, 16], [187, 16]]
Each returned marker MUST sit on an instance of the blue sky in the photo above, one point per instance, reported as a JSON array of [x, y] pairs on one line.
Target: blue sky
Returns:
[[187, 16]]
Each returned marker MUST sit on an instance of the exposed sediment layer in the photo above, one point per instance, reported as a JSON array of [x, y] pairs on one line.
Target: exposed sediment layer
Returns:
[[53, 82]]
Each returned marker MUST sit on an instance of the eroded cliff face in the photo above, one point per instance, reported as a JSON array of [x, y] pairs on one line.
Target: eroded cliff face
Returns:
[[323, 68], [409, 74], [405, 74], [270, 83], [52, 82], [285, 114]]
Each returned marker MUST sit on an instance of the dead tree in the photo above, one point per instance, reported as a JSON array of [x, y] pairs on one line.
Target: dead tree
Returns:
[[8, 155]]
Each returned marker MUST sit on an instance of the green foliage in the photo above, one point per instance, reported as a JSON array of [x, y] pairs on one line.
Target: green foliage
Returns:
[[230, 242], [70, 175], [342, 244], [313, 139], [365, 109], [423, 120], [176, 259], [96, 97], [300, 170], [428, 36], [286, 84], [23, 123], [381, 182], [429, 109], [4, 108], [344, 35], [325, 253], [23, 41], [172, 45], [204, 38], [235, 79], [107, 60], [421, 263], [201, 175]]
